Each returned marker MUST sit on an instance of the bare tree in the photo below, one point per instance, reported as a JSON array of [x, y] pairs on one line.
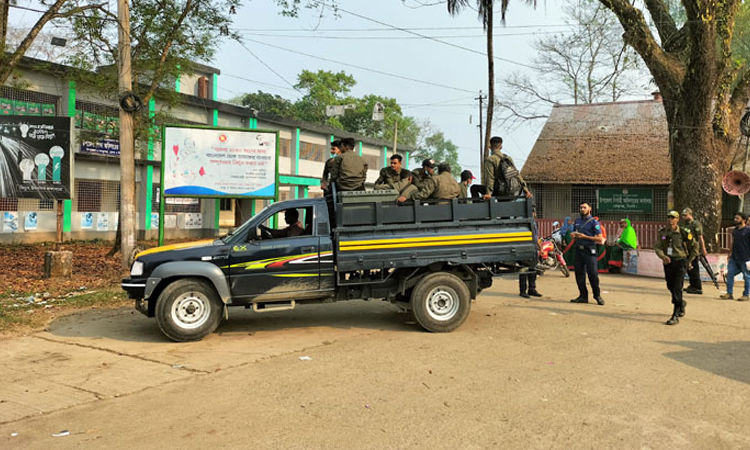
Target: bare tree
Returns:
[[586, 65]]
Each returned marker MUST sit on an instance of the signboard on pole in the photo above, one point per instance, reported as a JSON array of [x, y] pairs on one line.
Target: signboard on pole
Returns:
[[625, 201], [35, 157], [216, 162]]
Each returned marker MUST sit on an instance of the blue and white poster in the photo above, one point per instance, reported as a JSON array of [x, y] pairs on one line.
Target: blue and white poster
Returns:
[[87, 220], [154, 221], [10, 222], [30, 221], [219, 162], [102, 221]]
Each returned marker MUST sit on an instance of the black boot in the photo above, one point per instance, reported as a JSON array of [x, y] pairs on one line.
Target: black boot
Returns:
[[681, 311], [675, 319]]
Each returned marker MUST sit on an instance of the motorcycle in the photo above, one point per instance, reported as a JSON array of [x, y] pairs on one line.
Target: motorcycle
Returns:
[[551, 255]]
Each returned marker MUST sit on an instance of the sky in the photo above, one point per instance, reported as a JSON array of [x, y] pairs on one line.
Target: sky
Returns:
[[388, 37], [432, 63]]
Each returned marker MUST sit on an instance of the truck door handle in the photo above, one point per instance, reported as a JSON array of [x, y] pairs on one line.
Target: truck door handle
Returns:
[[309, 249]]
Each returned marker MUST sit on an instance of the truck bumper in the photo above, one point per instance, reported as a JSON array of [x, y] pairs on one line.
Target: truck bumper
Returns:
[[135, 287]]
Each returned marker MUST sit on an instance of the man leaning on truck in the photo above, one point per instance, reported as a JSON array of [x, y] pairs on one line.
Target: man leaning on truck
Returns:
[[442, 186]]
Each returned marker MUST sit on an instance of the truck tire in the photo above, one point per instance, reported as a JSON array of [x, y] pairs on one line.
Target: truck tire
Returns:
[[440, 302], [188, 310]]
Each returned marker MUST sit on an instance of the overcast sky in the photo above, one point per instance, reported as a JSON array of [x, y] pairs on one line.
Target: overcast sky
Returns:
[[433, 64], [384, 36]]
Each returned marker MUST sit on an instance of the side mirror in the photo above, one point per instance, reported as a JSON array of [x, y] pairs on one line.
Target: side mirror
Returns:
[[555, 224]]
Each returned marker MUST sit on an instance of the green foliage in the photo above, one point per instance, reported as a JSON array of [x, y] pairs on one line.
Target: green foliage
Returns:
[[441, 149], [268, 103], [320, 89]]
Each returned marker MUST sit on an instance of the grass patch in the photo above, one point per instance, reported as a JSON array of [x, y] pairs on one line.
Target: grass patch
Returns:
[[18, 314]]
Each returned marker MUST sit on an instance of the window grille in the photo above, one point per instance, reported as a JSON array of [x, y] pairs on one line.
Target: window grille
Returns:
[[557, 201], [22, 102], [312, 152], [285, 146], [225, 204], [97, 196], [8, 204]]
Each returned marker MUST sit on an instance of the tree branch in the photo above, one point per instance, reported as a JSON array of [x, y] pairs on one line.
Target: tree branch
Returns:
[[165, 51], [666, 69], [664, 22]]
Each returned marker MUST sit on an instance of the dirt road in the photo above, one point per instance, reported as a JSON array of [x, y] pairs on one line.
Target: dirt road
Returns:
[[520, 374]]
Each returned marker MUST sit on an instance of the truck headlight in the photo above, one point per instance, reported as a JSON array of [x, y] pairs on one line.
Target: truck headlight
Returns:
[[137, 269]]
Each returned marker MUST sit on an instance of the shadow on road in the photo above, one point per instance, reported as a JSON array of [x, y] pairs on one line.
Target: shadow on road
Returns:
[[128, 325], [596, 310], [727, 359]]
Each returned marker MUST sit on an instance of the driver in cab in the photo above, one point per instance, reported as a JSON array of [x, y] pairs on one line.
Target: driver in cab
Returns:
[[294, 228]]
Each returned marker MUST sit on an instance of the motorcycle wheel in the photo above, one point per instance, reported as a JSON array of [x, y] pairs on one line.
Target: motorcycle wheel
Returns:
[[565, 271]]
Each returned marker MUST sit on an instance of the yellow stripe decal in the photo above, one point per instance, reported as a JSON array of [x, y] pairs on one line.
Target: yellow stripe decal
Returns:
[[434, 244], [165, 248], [435, 238]]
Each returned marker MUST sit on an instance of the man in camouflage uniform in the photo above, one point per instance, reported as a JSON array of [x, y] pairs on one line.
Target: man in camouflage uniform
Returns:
[[442, 186], [393, 177], [421, 175], [501, 175], [677, 248], [693, 270], [326, 178], [349, 170]]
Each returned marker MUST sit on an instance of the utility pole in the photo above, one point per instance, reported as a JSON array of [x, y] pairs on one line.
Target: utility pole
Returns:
[[127, 150], [481, 138], [395, 137]]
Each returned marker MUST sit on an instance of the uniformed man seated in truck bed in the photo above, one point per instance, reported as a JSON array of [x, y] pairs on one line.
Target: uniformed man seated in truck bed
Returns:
[[394, 176], [294, 228], [442, 186]]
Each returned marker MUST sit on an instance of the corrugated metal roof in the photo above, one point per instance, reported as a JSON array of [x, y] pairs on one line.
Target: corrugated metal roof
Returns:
[[606, 143]]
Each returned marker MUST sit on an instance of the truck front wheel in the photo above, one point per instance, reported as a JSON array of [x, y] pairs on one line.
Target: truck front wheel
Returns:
[[440, 302], [188, 310]]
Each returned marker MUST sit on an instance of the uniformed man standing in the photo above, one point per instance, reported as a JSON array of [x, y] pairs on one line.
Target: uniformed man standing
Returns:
[[501, 175], [693, 270], [677, 248], [393, 177], [421, 175], [587, 233], [442, 186], [335, 151], [349, 170], [466, 179]]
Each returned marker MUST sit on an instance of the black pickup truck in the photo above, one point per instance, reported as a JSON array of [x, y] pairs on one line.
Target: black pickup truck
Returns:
[[432, 258]]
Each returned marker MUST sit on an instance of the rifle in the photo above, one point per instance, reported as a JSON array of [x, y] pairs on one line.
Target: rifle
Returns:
[[709, 271]]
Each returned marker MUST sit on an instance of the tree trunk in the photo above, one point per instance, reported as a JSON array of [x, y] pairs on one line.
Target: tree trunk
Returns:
[[491, 82], [697, 154]]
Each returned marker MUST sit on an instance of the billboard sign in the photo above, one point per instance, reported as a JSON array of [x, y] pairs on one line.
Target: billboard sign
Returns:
[[626, 201], [216, 162], [35, 157]]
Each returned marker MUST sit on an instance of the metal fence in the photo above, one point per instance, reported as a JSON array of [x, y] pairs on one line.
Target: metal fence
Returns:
[[646, 231]]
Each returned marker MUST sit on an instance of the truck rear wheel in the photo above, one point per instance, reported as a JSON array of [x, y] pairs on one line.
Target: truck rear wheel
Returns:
[[440, 302], [188, 310]]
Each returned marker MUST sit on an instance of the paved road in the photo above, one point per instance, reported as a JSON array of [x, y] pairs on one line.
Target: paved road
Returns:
[[539, 374]]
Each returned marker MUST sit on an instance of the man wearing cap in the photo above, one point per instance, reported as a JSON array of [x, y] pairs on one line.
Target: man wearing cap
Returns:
[[349, 170], [393, 177], [677, 248], [466, 179], [326, 178], [501, 175], [421, 175], [587, 233], [693, 269]]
